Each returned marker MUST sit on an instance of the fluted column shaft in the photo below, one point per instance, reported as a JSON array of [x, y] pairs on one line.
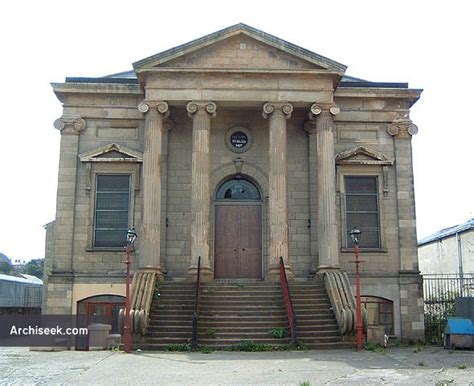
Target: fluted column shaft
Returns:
[[201, 114], [150, 235], [277, 114], [328, 251]]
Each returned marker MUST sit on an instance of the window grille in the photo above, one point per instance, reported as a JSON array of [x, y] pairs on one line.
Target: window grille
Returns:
[[112, 206], [362, 210]]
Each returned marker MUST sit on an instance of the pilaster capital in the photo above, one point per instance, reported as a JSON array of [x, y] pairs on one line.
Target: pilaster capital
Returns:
[[277, 109], [70, 124], [161, 107], [402, 127], [320, 109], [197, 108]]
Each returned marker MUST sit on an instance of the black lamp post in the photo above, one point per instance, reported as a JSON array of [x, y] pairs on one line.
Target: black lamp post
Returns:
[[127, 331], [355, 235]]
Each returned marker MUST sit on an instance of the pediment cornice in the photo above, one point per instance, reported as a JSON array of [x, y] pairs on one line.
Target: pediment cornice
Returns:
[[253, 33], [112, 153], [362, 155]]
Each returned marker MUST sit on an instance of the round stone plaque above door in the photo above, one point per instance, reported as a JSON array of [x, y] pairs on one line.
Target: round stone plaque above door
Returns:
[[238, 139]]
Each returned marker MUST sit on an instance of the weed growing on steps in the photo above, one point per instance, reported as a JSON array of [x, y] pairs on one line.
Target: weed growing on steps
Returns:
[[278, 332]]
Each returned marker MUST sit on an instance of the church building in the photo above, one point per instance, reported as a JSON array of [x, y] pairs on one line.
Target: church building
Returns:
[[238, 150]]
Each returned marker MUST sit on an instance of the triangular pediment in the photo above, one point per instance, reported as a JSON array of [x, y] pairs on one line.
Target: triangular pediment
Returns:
[[362, 155], [242, 47], [111, 153]]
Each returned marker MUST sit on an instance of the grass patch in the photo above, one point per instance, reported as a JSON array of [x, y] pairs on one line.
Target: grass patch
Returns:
[[462, 366], [305, 383], [375, 347], [211, 331], [205, 350], [178, 347], [250, 346]]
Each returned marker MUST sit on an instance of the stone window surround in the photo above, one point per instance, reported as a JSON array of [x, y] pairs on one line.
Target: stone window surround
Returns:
[[96, 168], [356, 171]]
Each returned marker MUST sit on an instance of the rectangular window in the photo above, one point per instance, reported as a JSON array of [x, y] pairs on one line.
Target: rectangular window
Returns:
[[362, 210], [112, 204]]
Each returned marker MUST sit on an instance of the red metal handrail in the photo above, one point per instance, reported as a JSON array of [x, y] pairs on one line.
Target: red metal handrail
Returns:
[[194, 343], [288, 303]]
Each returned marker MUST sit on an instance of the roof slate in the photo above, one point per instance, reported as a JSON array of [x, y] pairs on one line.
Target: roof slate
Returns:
[[447, 232]]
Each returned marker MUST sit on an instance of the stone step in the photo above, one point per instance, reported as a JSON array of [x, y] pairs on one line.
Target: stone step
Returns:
[[204, 329], [241, 306], [241, 313], [226, 343], [241, 318], [242, 323], [237, 296]]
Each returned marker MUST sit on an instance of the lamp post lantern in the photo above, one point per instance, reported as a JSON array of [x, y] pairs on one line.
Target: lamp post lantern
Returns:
[[127, 331], [355, 235]]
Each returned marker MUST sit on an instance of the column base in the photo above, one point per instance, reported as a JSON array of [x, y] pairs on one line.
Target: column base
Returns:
[[327, 268], [273, 274], [206, 274]]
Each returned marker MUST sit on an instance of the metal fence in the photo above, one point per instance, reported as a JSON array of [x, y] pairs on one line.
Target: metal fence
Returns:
[[440, 292]]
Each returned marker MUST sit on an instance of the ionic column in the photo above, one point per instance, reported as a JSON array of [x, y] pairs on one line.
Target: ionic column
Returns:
[[277, 114], [150, 235], [328, 252], [310, 128], [201, 114]]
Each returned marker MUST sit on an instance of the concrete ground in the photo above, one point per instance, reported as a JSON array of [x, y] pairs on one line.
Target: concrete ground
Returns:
[[430, 366]]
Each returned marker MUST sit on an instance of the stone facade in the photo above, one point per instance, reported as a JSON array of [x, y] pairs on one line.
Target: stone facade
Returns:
[[168, 125]]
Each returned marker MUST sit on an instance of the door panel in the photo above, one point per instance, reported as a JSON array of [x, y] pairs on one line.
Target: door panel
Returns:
[[238, 241], [227, 241]]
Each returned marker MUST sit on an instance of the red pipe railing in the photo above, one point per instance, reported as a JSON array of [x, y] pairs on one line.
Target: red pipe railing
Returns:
[[194, 339], [288, 303]]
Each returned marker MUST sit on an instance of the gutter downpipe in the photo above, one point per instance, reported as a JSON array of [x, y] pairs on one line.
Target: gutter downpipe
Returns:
[[459, 256]]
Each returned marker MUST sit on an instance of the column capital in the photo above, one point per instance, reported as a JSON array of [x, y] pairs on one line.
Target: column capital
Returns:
[[274, 109], [70, 124], [402, 127], [319, 109], [201, 107], [161, 107]]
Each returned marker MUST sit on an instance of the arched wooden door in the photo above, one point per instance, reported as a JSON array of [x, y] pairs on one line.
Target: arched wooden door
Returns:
[[238, 230]]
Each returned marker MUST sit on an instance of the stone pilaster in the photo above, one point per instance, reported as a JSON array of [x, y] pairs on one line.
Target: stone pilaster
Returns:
[[411, 289], [277, 114], [151, 229], [59, 296], [328, 252], [201, 114]]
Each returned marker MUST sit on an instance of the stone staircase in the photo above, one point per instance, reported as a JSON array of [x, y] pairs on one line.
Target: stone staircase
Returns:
[[171, 317], [230, 313], [234, 312], [317, 327]]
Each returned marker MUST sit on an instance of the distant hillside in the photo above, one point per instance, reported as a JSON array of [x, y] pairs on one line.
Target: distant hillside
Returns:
[[4, 258]]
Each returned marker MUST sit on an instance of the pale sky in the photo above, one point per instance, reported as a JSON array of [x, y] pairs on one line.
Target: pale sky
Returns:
[[426, 43]]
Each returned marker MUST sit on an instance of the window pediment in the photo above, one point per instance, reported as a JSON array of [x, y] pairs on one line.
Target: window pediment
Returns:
[[112, 153], [362, 155]]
